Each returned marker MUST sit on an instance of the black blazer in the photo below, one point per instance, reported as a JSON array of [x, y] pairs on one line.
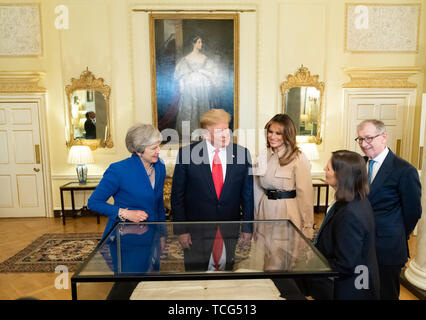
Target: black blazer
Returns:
[[90, 129], [193, 195], [395, 196], [347, 240]]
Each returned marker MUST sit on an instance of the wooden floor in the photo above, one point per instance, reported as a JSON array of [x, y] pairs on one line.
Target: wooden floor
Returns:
[[16, 234]]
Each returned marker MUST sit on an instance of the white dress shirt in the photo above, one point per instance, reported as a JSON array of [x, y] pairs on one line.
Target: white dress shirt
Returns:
[[222, 261], [378, 163], [222, 157]]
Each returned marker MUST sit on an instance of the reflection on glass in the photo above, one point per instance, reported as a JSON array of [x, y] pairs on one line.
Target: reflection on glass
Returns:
[[302, 105], [134, 249], [89, 114], [154, 249]]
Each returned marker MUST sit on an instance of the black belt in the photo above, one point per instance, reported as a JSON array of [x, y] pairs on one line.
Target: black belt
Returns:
[[280, 194]]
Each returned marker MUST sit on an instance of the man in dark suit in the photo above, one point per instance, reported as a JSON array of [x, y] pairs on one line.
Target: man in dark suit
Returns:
[[212, 182], [395, 195], [90, 125]]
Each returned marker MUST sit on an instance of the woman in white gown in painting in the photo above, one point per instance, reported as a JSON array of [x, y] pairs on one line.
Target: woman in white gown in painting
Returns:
[[196, 76]]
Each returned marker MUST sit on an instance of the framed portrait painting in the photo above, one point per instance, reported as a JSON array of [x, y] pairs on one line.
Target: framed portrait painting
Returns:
[[194, 68]]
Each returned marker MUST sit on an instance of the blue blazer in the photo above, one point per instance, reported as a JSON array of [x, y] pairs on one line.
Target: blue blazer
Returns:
[[128, 183], [395, 196], [347, 240], [193, 194], [139, 253]]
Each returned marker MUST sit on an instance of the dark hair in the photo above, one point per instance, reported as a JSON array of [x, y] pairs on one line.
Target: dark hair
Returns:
[[195, 39], [289, 136], [351, 175]]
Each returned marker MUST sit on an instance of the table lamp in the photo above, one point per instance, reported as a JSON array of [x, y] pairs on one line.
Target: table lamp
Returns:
[[80, 155], [310, 150]]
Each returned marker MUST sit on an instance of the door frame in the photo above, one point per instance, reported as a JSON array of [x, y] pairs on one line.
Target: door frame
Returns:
[[408, 121], [40, 100]]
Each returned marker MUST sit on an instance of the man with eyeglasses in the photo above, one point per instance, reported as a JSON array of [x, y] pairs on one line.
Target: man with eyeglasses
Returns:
[[395, 195]]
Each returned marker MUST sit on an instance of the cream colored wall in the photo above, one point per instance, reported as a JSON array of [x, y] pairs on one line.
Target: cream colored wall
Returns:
[[275, 40], [316, 40]]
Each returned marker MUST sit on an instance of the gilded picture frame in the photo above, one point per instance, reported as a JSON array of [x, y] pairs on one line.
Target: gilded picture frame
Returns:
[[303, 80], [88, 86], [194, 68]]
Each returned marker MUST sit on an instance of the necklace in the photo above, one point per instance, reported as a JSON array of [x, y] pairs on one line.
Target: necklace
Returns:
[[150, 171]]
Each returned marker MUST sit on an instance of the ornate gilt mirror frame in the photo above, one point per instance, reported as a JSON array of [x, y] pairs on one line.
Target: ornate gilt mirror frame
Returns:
[[88, 81], [303, 78]]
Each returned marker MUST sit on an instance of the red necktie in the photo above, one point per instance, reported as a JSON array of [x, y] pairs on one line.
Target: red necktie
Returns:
[[217, 249], [217, 173]]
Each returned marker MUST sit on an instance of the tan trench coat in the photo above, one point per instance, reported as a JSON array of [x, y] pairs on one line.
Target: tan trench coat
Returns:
[[296, 175]]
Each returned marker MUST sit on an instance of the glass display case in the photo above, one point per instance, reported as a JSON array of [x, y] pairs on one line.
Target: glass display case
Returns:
[[264, 249]]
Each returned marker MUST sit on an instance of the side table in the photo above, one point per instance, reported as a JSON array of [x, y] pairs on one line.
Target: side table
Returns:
[[75, 186], [320, 183]]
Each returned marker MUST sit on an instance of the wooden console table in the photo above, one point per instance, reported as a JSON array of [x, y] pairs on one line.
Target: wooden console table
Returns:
[[320, 183], [75, 186]]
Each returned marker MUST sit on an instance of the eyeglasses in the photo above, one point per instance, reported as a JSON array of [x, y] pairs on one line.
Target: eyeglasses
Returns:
[[366, 139]]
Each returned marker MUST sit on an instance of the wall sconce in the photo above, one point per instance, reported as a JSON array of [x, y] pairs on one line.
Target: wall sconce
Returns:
[[80, 155]]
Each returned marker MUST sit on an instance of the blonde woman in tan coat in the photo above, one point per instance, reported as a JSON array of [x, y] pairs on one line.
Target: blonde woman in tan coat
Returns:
[[282, 178]]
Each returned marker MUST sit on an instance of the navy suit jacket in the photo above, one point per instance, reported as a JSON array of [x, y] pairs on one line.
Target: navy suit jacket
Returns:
[[90, 129], [128, 183], [193, 195], [395, 196], [347, 240]]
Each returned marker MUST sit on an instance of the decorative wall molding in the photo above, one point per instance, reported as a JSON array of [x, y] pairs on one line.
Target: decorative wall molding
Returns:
[[389, 27], [21, 82], [20, 30], [386, 77]]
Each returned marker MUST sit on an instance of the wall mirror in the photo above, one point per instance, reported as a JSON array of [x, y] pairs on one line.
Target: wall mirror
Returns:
[[302, 96], [88, 112]]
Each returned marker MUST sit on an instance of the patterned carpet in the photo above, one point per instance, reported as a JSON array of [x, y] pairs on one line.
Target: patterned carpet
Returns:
[[51, 250], [54, 249]]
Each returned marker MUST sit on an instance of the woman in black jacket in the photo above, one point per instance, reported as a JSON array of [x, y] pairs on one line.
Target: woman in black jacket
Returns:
[[347, 235]]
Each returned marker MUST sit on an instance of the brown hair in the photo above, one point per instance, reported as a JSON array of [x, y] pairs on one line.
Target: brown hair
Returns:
[[214, 116], [289, 136], [351, 175]]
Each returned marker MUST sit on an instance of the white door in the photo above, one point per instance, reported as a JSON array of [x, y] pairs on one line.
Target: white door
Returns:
[[21, 176], [394, 109]]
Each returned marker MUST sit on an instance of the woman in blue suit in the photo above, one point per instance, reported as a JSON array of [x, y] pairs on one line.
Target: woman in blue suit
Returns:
[[347, 235], [135, 183]]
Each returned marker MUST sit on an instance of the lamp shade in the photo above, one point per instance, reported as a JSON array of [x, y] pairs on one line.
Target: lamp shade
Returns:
[[310, 150], [80, 155]]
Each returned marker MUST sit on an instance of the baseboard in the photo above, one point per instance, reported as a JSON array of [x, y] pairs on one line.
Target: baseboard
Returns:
[[82, 212], [419, 293]]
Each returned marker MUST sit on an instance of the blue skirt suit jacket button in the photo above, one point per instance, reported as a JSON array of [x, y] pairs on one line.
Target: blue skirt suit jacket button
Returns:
[[128, 183]]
